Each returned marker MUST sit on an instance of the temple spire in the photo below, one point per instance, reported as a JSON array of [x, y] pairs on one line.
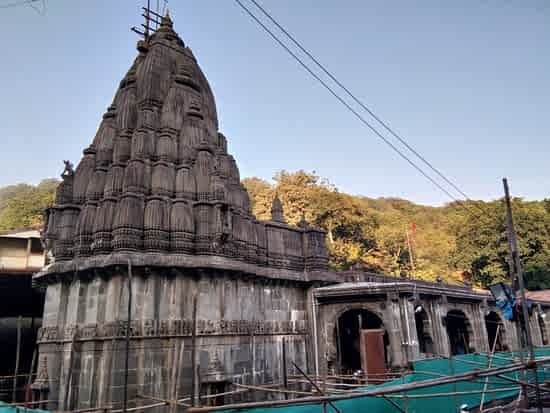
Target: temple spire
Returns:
[[277, 213], [166, 20]]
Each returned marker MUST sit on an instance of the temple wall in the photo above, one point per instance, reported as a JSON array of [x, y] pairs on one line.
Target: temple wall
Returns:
[[397, 312], [239, 320]]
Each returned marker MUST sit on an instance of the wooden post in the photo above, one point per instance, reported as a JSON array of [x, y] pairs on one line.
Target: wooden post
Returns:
[[285, 376], [336, 409], [489, 365], [69, 377], [518, 271], [128, 328], [194, 365], [29, 379], [178, 375], [17, 351]]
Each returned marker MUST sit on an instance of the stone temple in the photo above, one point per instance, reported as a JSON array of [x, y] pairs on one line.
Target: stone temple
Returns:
[[157, 188], [157, 195]]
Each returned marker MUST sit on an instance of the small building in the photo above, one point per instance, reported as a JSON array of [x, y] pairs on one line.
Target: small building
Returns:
[[21, 255]]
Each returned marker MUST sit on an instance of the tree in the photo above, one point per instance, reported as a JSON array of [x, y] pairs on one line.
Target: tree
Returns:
[[21, 205]]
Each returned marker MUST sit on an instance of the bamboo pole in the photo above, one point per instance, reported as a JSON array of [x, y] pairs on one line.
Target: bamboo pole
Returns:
[[272, 390], [128, 328], [138, 408], [28, 403], [69, 377], [194, 365], [178, 374], [17, 351], [371, 393], [211, 396], [518, 272], [314, 385], [447, 394], [285, 377], [29, 379], [394, 404], [489, 365]]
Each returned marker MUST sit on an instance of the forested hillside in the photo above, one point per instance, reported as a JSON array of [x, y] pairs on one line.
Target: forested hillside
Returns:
[[447, 242], [21, 205]]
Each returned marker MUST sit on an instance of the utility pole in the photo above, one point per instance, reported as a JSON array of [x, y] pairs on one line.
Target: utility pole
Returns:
[[516, 272]]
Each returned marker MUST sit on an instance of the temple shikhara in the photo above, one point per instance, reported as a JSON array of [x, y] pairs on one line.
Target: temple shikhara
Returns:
[[157, 188], [157, 195]]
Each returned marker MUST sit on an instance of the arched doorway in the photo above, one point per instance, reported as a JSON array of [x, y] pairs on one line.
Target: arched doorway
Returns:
[[422, 322], [493, 323], [347, 332], [458, 329]]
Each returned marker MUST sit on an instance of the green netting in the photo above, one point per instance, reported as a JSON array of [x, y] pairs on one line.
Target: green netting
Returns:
[[4, 408], [426, 400]]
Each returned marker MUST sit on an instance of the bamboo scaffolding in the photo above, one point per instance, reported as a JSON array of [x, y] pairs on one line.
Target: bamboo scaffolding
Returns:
[[447, 394], [211, 396], [273, 390], [374, 392], [138, 408], [28, 403]]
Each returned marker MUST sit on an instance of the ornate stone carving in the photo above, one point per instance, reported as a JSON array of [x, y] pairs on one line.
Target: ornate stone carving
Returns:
[[277, 213], [157, 177], [172, 328]]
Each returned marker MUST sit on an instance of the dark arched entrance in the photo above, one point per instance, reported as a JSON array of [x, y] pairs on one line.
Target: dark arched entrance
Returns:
[[493, 323], [348, 327], [458, 329], [422, 322]]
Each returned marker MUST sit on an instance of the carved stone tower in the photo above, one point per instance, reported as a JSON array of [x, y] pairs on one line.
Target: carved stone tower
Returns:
[[158, 188]]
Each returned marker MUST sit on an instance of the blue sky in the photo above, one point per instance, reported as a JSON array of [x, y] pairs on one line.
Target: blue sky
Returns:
[[467, 83]]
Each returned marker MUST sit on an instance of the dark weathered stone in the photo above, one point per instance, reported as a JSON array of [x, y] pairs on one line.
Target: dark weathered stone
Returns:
[[157, 187]]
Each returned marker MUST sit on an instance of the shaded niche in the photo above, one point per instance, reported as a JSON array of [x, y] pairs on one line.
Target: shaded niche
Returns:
[[348, 339], [492, 323], [543, 332], [422, 322], [459, 331]]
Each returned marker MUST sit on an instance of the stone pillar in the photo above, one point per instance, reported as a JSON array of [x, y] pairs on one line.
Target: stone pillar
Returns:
[[440, 308], [393, 319], [479, 327]]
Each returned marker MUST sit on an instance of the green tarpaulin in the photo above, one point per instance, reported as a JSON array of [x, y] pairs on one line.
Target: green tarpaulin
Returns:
[[4, 408], [426, 400]]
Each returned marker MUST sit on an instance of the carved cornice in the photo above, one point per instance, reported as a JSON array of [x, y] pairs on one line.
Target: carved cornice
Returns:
[[150, 328]]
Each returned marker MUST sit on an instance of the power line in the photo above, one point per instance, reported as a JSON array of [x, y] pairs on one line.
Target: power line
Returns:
[[385, 125], [18, 3], [352, 110]]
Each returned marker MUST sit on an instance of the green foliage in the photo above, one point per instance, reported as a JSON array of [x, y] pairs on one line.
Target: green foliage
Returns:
[[21, 205], [446, 241]]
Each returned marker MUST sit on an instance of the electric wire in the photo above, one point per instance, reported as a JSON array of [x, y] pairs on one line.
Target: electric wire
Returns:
[[18, 3], [352, 110], [385, 125]]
